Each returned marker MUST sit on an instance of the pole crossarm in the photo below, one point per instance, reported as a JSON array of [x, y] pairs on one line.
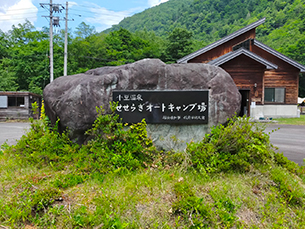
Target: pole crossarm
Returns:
[[54, 21]]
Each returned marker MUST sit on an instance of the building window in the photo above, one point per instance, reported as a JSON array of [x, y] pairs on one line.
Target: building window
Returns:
[[275, 95], [3, 101], [245, 44], [15, 101]]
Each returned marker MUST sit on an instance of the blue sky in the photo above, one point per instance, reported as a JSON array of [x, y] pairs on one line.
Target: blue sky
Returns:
[[98, 13]]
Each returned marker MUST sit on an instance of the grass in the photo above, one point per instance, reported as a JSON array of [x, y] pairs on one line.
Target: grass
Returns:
[[145, 199], [292, 121], [232, 179]]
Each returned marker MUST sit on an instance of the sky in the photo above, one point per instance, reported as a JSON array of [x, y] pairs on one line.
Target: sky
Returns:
[[101, 14]]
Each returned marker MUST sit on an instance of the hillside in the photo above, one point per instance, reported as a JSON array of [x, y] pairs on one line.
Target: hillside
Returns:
[[210, 20], [168, 31]]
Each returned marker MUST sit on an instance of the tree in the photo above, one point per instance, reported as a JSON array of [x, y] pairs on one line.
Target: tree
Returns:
[[83, 30], [24, 62], [17, 35], [179, 44], [297, 52], [125, 47], [8, 77]]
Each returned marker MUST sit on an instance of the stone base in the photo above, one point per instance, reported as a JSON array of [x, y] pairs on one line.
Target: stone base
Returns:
[[175, 137], [274, 111]]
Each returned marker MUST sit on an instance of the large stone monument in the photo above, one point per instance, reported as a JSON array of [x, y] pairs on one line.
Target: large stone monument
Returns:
[[180, 102]]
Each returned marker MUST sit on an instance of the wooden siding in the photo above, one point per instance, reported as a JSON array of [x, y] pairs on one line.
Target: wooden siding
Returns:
[[282, 65], [222, 49], [15, 113], [287, 80], [286, 76], [246, 73]]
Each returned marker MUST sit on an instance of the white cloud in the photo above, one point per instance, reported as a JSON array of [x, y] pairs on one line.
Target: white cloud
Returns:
[[62, 2], [106, 18], [152, 3], [14, 12], [72, 4]]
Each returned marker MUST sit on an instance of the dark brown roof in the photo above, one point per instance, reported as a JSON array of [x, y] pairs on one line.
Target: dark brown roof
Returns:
[[18, 93], [231, 36], [279, 55], [232, 54], [241, 51]]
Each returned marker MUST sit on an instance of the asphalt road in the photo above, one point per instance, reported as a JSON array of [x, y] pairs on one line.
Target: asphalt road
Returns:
[[10, 132], [289, 139]]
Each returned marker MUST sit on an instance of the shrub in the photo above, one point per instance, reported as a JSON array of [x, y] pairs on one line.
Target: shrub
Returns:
[[114, 146], [235, 147], [43, 145], [291, 166]]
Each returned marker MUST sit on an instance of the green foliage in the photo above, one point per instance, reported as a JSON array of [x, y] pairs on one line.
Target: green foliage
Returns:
[[112, 147], [179, 44], [291, 166], [84, 30], [236, 146], [199, 212], [69, 180], [31, 203], [115, 148], [50, 182], [35, 108], [125, 47], [44, 145], [8, 78], [191, 207], [289, 186]]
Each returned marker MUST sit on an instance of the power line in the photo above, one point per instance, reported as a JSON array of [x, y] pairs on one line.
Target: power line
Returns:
[[14, 14], [97, 13], [22, 9], [17, 19], [95, 7]]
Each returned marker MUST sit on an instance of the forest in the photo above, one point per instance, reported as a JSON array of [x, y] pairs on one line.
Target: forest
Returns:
[[168, 32]]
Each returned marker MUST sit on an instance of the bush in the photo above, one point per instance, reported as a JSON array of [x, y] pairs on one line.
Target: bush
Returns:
[[235, 147], [113, 146], [44, 145]]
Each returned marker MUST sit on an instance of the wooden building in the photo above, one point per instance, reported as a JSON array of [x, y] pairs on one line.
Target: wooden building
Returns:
[[17, 105], [267, 80]]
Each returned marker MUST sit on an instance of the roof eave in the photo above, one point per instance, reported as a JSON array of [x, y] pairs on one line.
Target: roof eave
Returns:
[[221, 41], [231, 55], [279, 55]]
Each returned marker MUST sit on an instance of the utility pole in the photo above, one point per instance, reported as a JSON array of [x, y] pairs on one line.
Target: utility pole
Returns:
[[51, 42], [66, 42], [54, 21]]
